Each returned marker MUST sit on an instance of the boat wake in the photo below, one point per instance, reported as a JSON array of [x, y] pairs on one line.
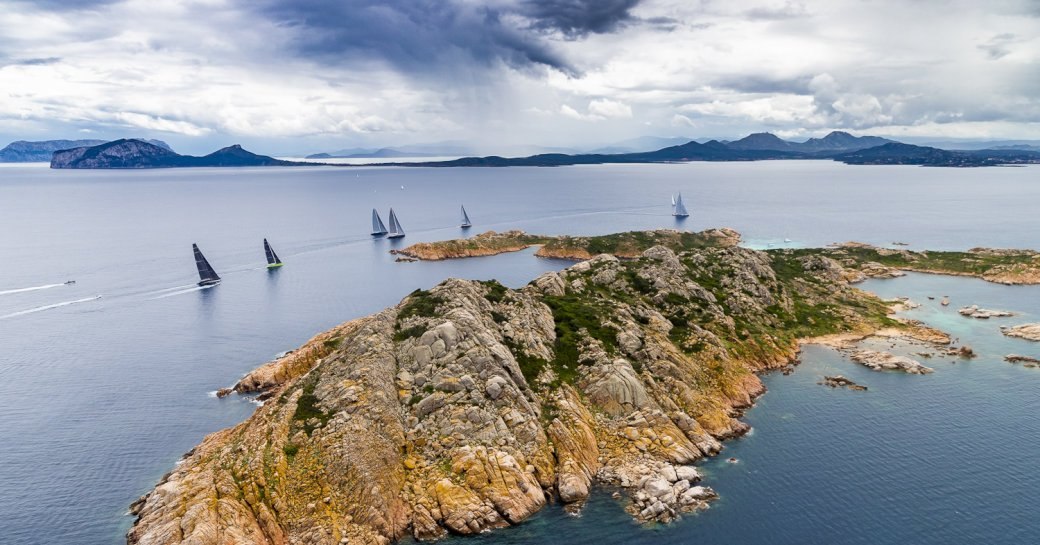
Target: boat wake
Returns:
[[34, 288], [182, 292], [49, 307], [167, 290]]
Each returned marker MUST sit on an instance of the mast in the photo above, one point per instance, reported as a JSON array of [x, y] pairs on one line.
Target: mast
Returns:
[[465, 218], [207, 276], [377, 224], [272, 258], [680, 208]]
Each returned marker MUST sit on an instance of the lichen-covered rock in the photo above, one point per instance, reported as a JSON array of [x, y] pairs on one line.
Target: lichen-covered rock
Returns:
[[466, 407]]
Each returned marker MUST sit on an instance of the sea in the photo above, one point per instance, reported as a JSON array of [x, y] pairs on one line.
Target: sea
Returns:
[[106, 382]]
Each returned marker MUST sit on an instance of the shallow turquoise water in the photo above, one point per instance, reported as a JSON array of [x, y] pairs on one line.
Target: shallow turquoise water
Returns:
[[940, 458], [99, 398]]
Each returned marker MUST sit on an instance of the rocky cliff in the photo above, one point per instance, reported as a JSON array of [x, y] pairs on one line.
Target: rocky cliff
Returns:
[[41, 151], [470, 406]]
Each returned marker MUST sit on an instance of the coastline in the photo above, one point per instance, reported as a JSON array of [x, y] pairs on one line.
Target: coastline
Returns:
[[585, 426]]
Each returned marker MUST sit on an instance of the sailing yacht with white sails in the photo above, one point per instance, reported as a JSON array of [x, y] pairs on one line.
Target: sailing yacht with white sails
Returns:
[[396, 231], [678, 208], [466, 224], [378, 229]]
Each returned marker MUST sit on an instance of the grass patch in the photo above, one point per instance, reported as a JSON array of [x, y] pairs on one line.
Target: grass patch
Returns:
[[307, 408], [420, 303]]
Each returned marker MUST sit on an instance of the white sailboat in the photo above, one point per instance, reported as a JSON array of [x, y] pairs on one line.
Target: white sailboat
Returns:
[[378, 229], [678, 208], [395, 226], [466, 224]]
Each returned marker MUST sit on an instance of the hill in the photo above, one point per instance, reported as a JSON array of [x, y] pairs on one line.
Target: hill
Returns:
[[24, 151], [126, 153]]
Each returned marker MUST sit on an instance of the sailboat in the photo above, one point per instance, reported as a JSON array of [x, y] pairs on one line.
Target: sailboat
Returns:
[[272, 258], [207, 276], [678, 208], [395, 226], [465, 219], [378, 229]]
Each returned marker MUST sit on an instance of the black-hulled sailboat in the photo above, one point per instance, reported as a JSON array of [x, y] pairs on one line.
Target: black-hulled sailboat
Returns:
[[378, 229], [272, 258], [395, 226], [678, 208], [207, 276], [466, 224]]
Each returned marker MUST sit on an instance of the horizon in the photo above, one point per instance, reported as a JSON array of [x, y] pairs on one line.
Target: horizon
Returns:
[[284, 79]]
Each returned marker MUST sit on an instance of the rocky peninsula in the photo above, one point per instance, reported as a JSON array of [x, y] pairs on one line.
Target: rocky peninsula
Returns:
[[470, 406], [628, 245]]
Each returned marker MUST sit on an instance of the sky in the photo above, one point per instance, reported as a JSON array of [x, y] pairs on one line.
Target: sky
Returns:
[[296, 76]]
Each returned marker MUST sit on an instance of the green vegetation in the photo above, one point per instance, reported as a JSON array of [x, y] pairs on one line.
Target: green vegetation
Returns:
[[496, 291], [632, 244], [976, 263], [420, 303], [413, 332], [572, 314], [333, 343], [307, 408]]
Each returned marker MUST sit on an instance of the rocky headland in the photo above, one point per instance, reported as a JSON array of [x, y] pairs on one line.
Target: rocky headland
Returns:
[[628, 245], [470, 406]]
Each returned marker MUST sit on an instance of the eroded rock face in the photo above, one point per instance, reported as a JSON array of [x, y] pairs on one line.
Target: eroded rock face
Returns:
[[465, 408]]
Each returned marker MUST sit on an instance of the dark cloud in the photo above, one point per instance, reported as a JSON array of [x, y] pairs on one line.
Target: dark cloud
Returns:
[[434, 35], [997, 46], [37, 62], [764, 84], [578, 18]]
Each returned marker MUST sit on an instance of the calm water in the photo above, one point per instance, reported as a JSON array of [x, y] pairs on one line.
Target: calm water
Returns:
[[99, 397]]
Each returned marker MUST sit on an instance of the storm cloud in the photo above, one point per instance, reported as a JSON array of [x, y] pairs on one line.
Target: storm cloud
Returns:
[[314, 75]]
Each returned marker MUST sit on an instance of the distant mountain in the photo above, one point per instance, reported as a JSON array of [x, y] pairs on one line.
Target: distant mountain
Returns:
[[897, 153], [836, 141], [41, 151], [641, 144], [140, 154], [967, 145], [371, 154]]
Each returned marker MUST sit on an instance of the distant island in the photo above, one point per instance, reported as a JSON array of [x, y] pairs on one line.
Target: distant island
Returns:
[[836, 146], [41, 151], [128, 153]]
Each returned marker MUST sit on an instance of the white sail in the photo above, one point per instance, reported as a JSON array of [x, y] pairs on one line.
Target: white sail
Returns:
[[395, 226], [465, 218], [377, 224], [679, 209]]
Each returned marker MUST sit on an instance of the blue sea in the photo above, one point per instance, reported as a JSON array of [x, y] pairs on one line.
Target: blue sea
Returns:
[[99, 396]]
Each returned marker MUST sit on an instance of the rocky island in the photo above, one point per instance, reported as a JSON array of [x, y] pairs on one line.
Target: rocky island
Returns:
[[470, 406], [131, 153]]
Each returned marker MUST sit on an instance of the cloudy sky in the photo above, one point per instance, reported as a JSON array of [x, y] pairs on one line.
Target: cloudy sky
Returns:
[[284, 76]]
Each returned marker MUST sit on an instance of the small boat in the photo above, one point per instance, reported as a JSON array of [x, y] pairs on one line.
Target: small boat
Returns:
[[378, 229], [69, 282], [466, 224], [207, 276], [395, 226], [272, 258], [678, 208]]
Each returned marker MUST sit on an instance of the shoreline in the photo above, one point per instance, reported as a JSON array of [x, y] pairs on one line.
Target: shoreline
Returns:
[[598, 421]]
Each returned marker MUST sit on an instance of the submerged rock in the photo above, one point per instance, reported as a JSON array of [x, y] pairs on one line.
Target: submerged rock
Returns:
[[839, 381]]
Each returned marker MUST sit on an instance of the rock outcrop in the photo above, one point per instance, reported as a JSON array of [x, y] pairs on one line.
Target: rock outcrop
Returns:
[[983, 314], [883, 361], [1029, 332], [839, 381], [469, 406]]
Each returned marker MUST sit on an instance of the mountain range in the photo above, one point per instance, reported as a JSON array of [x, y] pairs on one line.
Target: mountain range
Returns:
[[839, 146], [41, 151], [129, 153]]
